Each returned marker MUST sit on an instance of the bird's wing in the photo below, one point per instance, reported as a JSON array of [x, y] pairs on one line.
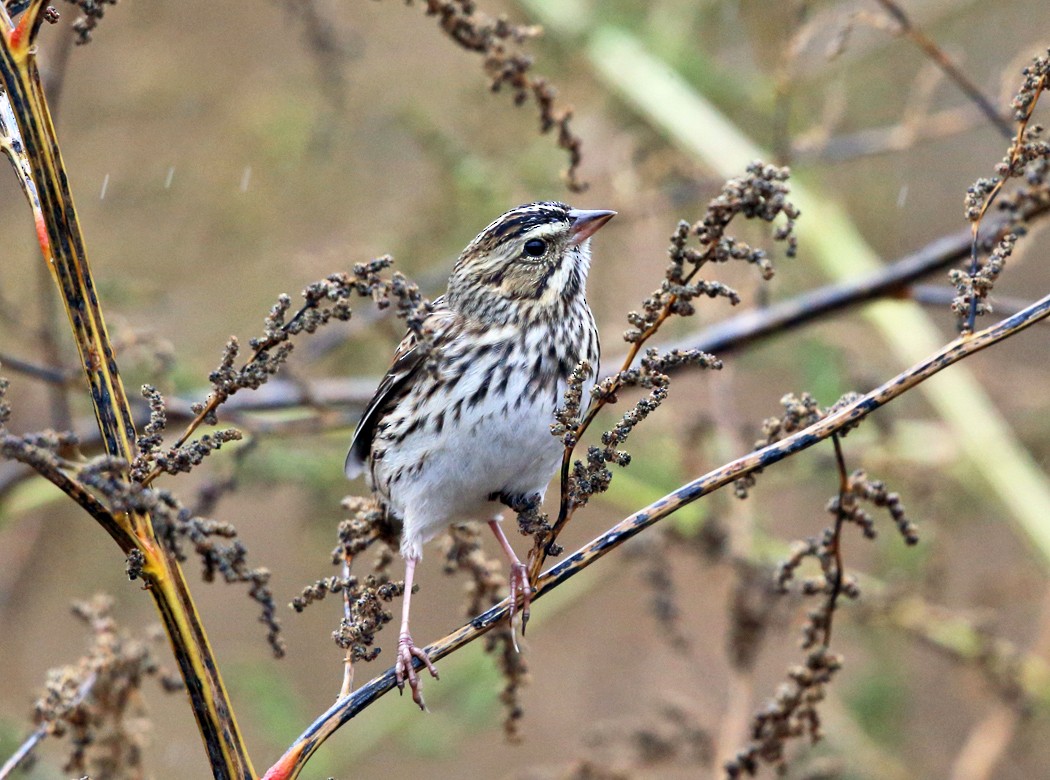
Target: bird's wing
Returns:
[[407, 368]]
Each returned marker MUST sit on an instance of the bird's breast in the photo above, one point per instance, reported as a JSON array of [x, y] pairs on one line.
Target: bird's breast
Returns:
[[482, 424]]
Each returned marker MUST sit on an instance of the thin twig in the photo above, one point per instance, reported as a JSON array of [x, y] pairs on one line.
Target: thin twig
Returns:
[[836, 542], [945, 63], [1014, 152], [42, 730], [348, 660], [893, 280], [23, 752], [42, 464], [566, 506], [262, 352]]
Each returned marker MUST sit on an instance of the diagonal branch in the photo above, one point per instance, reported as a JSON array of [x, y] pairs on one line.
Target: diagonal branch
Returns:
[[947, 66], [891, 280], [292, 762], [43, 464]]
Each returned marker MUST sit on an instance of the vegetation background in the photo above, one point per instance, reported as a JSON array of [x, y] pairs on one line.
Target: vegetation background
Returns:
[[221, 155]]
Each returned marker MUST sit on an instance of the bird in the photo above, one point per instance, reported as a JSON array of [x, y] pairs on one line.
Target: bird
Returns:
[[460, 426]]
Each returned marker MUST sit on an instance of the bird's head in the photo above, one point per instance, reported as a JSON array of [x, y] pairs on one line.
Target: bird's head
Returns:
[[534, 257]]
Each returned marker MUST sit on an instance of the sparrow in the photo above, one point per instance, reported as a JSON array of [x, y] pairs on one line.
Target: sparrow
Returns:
[[461, 425]]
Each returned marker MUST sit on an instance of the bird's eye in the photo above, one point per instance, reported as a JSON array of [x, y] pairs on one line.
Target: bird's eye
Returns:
[[535, 247]]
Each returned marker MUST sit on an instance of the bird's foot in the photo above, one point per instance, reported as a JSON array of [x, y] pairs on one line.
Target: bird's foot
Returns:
[[519, 589], [406, 651]]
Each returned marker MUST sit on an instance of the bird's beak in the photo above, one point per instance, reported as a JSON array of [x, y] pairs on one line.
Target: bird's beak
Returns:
[[586, 223]]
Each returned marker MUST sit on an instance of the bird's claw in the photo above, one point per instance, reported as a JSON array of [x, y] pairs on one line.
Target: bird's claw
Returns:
[[520, 588], [406, 651]]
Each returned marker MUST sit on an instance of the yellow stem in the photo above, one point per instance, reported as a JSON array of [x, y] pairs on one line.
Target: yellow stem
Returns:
[[62, 245]]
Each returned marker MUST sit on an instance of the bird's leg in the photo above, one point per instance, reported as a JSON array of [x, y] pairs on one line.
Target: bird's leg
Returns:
[[406, 648], [519, 579]]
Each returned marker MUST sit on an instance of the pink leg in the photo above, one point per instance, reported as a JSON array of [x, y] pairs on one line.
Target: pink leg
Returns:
[[519, 577], [406, 648]]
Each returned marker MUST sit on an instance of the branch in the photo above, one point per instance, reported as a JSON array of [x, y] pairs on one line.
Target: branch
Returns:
[[46, 183], [43, 463], [290, 765], [950, 69], [500, 44], [760, 193], [672, 106], [890, 281], [1018, 156]]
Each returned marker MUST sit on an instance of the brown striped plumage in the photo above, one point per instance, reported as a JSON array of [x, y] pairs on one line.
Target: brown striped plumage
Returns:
[[451, 431]]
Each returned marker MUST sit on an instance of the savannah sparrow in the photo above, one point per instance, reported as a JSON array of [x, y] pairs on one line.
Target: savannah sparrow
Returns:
[[450, 433]]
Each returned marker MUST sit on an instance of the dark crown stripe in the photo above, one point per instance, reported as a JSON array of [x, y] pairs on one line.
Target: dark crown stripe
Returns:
[[522, 219]]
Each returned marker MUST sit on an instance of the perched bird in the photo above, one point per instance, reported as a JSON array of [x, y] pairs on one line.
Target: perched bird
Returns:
[[451, 432]]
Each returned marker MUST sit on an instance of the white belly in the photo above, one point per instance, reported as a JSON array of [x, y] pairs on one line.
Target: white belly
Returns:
[[503, 444]]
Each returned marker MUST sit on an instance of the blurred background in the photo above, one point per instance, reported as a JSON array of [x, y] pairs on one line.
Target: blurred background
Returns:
[[222, 155]]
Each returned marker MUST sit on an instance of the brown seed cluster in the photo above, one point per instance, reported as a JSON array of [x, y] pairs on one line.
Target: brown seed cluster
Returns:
[[799, 412], [791, 714], [507, 66], [487, 585], [1027, 162], [365, 599], [761, 193], [215, 543], [97, 701], [91, 13]]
